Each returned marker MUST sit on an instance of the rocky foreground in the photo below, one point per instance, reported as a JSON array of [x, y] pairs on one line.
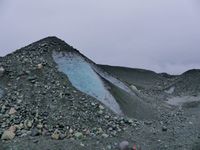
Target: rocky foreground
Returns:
[[41, 109]]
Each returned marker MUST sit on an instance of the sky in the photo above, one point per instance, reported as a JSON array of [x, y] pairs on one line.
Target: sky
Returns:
[[159, 35]]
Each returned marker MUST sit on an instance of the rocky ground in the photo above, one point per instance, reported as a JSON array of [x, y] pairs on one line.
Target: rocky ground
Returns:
[[40, 109]]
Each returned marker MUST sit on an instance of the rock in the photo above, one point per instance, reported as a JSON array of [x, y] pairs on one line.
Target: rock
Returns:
[[8, 135], [40, 126], [164, 128], [71, 131], [35, 141], [105, 135], [39, 66], [101, 107], [100, 112], [82, 144], [29, 124], [124, 145], [12, 111], [134, 88], [35, 132], [148, 122], [78, 135], [62, 136], [55, 135], [109, 147], [2, 70], [12, 129]]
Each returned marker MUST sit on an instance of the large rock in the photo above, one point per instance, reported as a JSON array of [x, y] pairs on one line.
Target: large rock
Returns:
[[8, 135], [124, 145]]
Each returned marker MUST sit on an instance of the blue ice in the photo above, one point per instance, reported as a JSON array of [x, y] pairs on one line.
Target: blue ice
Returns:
[[84, 78]]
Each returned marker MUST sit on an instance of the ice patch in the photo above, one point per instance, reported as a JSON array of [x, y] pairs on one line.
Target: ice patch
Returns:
[[84, 78], [183, 99]]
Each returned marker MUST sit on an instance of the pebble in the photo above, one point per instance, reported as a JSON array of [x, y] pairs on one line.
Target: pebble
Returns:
[[105, 135], [12, 111], [101, 107], [164, 128], [35, 132], [55, 135], [124, 145], [29, 124], [78, 135], [40, 126], [12, 129], [39, 66]]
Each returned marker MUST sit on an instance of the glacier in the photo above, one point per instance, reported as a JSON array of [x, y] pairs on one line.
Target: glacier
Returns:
[[84, 78]]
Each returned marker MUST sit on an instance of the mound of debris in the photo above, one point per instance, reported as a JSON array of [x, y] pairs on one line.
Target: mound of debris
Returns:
[[53, 97]]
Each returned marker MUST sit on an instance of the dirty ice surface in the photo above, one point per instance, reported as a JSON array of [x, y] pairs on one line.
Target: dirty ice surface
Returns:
[[182, 99], [84, 78], [113, 80]]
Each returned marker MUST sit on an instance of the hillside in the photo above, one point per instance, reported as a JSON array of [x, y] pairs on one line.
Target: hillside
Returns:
[[53, 97]]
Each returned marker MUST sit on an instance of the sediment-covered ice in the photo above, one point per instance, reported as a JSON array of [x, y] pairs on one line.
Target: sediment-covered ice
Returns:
[[84, 78], [113, 80]]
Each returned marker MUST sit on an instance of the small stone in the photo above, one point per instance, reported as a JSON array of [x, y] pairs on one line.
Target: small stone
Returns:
[[35, 141], [40, 126], [100, 130], [12, 111], [29, 124], [78, 135], [62, 136], [35, 132], [164, 128], [109, 147], [71, 131], [82, 144], [101, 107], [148, 122], [8, 135], [93, 104], [39, 66], [55, 135], [12, 129], [100, 112], [124, 145], [106, 117], [105, 135]]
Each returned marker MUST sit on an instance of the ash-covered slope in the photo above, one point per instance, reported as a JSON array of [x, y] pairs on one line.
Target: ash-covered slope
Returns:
[[49, 91]]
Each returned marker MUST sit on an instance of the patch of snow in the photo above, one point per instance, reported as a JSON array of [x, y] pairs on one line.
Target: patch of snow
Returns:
[[84, 78], [176, 101], [170, 90]]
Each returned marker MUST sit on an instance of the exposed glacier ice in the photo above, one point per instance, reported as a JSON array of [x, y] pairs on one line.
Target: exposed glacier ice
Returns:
[[84, 78]]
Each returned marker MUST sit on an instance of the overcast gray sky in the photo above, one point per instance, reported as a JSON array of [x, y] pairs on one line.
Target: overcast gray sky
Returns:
[[161, 35]]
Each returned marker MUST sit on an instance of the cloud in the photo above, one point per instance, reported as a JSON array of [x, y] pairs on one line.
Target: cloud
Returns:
[[158, 35]]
